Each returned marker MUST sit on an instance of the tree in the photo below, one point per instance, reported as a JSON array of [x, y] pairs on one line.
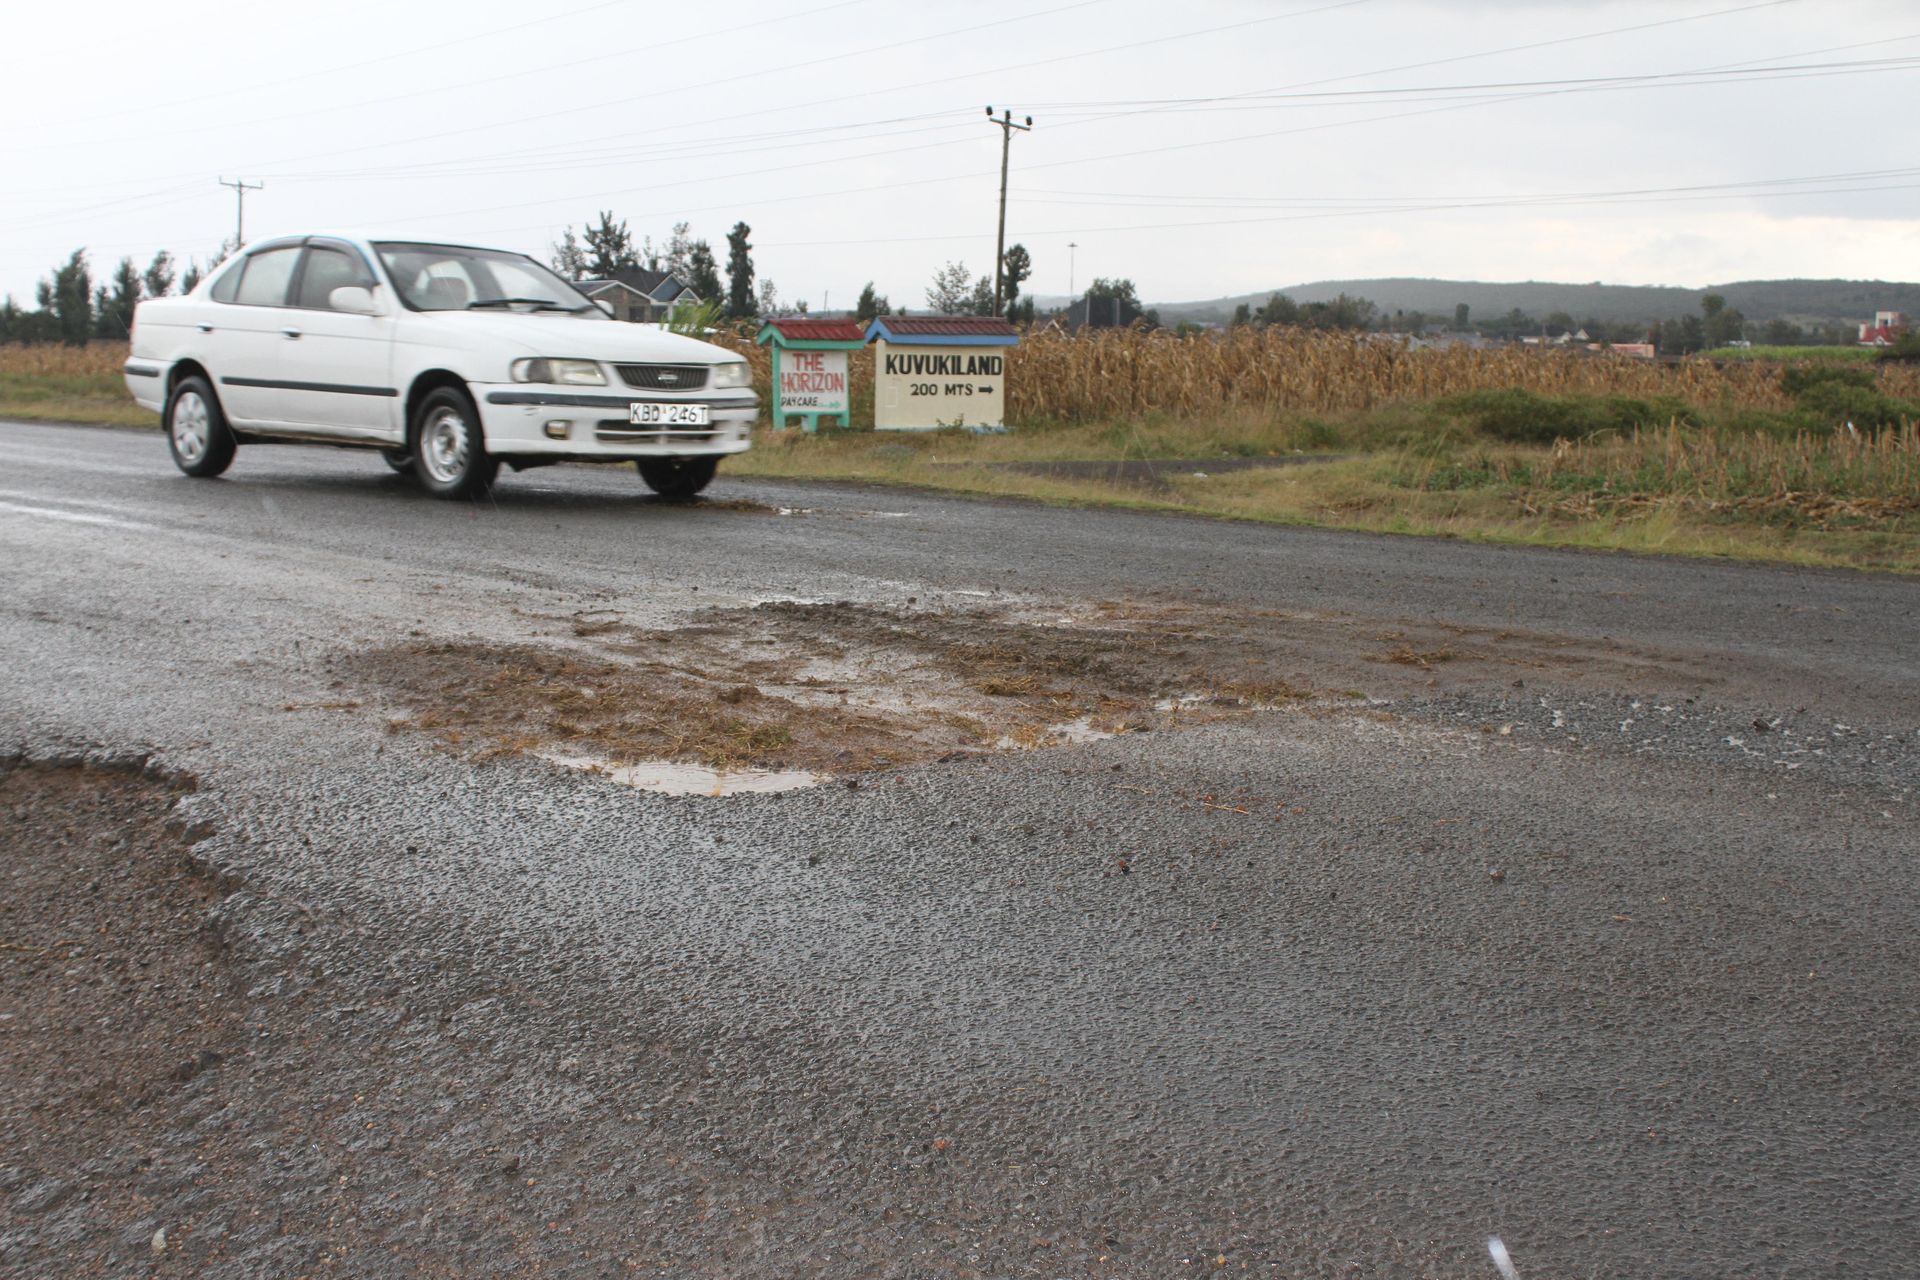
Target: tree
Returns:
[[113, 317], [1557, 323], [158, 280], [569, 259], [1721, 323], [1242, 316], [1115, 288], [703, 274], [609, 248], [1462, 317], [193, 276], [870, 305], [980, 302], [68, 296], [677, 258], [769, 300], [1278, 309], [1016, 267], [1021, 312], [1783, 333], [739, 272], [951, 293]]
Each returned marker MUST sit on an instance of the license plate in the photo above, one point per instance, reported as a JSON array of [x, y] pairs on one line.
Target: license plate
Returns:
[[668, 415]]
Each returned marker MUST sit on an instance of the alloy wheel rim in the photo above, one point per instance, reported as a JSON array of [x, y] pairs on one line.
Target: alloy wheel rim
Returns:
[[443, 445], [190, 426]]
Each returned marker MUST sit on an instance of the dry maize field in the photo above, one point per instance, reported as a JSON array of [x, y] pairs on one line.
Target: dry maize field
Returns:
[[1061, 378], [1120, 373]]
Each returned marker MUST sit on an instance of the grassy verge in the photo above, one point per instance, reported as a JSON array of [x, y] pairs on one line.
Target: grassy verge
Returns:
[[100, 399], [1683, 487]]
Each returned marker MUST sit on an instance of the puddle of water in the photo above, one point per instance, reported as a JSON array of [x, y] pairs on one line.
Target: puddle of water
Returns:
[[670, 778], [1185, 702], [1083, 730]]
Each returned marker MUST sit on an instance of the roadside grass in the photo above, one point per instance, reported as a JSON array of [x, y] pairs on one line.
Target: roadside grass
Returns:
[[69, 384], [1813, 497]]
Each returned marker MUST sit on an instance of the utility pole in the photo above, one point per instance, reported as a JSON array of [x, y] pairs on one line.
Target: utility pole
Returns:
[[1072, 245], [1006, 126], [240, 188]]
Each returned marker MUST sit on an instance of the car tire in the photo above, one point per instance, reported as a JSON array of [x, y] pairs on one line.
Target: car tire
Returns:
[[450, 458], [677, 479], [197, 433], [400, 460]]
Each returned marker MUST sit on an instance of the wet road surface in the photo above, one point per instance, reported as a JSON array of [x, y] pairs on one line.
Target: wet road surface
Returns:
[[1613, 961]]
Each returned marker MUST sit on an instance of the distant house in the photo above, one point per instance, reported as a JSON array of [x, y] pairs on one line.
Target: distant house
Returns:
[[639, 295], [1888, 327], [1100, 313]]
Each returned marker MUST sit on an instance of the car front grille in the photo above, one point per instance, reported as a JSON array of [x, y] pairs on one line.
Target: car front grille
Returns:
[[664, 377], [620, 431]]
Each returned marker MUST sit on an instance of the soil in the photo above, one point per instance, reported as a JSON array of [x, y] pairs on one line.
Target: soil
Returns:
[[114, 996], [841, 689]]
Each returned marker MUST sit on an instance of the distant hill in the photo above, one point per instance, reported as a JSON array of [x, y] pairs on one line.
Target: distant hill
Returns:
[[1801, 301]]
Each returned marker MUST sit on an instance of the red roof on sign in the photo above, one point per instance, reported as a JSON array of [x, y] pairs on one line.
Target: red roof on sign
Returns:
[[804, 329], [947, 327]]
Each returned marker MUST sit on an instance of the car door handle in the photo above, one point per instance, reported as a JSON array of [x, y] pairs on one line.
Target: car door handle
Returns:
[[206, 328], [291, 333]]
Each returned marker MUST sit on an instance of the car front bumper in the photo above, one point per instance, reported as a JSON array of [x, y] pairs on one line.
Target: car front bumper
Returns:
[[531, 421]]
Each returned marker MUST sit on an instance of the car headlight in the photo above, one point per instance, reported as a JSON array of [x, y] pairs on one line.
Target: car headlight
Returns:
[[732, 374], [567, 373]]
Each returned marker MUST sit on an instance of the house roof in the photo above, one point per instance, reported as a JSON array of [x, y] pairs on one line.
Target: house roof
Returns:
[[944, 331], [794, 329]]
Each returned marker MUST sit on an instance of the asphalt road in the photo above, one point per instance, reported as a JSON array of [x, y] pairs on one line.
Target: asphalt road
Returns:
[[1617, 966]]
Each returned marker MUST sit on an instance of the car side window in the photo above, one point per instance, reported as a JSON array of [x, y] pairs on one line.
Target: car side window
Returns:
[[267, 275], [328, 269], [229, 282]]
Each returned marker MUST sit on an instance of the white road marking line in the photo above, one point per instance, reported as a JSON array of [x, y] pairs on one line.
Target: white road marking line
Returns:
[[73, 517]]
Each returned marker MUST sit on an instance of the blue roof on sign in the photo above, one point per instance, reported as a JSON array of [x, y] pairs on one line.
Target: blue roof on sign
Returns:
[[944, 331]]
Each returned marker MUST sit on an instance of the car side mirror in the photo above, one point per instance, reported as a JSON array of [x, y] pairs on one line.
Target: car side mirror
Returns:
[[354, 299], [605, 306]]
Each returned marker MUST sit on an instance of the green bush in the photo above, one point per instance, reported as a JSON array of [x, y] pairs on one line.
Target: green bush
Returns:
[[1522, 417], [1833, 404], [1798, 379]]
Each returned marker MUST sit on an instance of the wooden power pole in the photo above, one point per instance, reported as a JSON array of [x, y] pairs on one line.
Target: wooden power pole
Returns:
[[1007, 127]]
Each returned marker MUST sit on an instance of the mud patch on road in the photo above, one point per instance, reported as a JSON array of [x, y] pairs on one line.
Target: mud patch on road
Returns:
[[828, 690], [114, 994], [836, 689]]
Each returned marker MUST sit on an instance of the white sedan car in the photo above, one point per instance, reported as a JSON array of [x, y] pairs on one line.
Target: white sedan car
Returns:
[[448, 358]]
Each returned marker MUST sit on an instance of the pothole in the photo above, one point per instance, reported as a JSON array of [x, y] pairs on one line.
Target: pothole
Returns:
[[675, 778], [778, 694]]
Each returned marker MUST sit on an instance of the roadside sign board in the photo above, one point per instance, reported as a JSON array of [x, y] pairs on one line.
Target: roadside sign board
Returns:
[[940, 371], [920, 388], [814, 382], [810, 378]]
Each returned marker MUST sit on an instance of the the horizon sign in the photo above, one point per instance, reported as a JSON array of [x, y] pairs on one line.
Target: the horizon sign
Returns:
[[814, 382]]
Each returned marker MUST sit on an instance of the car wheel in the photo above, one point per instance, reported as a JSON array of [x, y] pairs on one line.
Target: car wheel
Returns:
[[197, 431], [399, 459], [677, 478], [450, 457]]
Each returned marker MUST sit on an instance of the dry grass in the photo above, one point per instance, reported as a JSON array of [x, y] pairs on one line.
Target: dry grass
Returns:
[[68, 384]]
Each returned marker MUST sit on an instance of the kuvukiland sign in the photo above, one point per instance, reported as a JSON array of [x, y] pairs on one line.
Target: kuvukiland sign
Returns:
[[940, 371], [810, 379]]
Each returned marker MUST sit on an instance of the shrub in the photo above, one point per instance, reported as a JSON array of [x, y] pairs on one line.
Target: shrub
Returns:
[[1867, 408], [1522, 417], [1798, 379]]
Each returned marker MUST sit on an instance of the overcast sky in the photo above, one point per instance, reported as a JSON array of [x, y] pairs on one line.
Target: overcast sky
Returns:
[[1201, 148]]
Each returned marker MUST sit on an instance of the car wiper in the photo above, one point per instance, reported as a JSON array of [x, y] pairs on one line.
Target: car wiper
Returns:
[[509, 302]]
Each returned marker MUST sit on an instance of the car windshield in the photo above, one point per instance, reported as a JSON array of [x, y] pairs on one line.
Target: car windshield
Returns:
[[439, 277]]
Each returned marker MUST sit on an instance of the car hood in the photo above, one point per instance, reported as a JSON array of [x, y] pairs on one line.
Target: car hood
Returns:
[[571, 337]]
